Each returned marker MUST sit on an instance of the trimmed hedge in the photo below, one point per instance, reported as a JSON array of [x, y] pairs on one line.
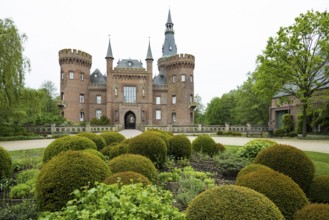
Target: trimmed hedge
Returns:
[[5, 164], [116, 150], [319, 190], [97, 139], [112, 136], [253, 168], [94, 152], [205, 144], [251, 149], [313, 212], [64, 173], [67, 143], [279, 188], [127, 177], [290, 161], [150, 146], [232, 202], [136, 163], [180, 147], [163, 136]]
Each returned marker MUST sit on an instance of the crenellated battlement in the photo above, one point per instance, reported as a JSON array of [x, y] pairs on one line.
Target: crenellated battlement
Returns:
[[70, 55], [177, 60]]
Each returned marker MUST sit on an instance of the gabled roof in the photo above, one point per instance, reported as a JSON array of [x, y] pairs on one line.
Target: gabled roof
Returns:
[[98, 77]]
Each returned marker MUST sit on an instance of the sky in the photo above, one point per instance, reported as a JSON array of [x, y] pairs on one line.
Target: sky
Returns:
[[224, 36]]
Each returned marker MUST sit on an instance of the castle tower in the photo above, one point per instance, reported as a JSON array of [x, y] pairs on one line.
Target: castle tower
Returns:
[[177, 71], [75, 71]]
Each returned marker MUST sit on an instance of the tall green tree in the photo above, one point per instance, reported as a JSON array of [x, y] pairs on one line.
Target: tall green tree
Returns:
[[296, 60], [199, 114], [50, 92], [13, 66]]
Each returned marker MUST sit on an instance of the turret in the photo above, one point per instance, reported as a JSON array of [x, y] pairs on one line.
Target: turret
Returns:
[[109, 59], [149, 59], [75, 71]]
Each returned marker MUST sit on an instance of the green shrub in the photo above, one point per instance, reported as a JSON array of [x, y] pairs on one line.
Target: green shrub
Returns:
[[292, 134], [136, 163], [232, 202], [121, 202], [65, 144], [230, 164], [127, 177], [25, 210], [27, 175], [220, 148], [220, 133], [251, 149], [280, 133], [102, 121], [7, 130], [94, 152], [313, 212], [5, 164], [64, 173], [22, 191], [319, 190], [205, 144], [112, 136], [151, 146], [163, 136], [97, 139], [180, 147], [253, 168], [290, 161], [279, 188], [287, 123], [116, 150]]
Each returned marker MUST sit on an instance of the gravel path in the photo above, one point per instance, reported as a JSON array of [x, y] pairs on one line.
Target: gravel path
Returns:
[[306, 145]]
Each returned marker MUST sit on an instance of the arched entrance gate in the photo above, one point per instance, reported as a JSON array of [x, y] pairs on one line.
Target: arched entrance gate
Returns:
[[130, 120]]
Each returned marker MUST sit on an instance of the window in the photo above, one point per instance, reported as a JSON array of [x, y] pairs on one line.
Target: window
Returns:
[[191, 117], [143, 113], [183, 78], [82, 115], [158, 100], [191, 78], [62, 95], [158, 114], [173, 116], [174, 78], [143, 91], [98, 113], [116, 91], [81, 76], [99, 99], [191, 98], [129, 93], [62, 75], [71, 75], [173, 99], [82, 98]]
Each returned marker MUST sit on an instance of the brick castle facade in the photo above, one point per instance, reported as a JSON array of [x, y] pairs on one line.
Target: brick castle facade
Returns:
[[129, 94]]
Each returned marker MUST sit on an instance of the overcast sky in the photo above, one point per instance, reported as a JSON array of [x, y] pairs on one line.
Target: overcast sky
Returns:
[[224, 36]]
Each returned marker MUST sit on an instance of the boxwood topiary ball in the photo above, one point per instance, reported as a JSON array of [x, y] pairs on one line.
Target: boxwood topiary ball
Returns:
[[205, 144], [290, 161], [180, 147], [127, 177], [112, 136], [232, 203], [116, 150], [5, 164], [319, 190], [313, 211], [66, 172], [279, 188], [136, 163], [67, 143], [97, 139], [252, 168], [149, 145]]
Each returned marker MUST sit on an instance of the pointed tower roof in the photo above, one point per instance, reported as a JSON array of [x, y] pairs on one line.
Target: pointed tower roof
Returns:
[[169, 46], [149, 52], [109, 51]]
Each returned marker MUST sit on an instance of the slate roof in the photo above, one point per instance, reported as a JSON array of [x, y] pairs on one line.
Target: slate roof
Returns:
[[98, 77], [129, 63]]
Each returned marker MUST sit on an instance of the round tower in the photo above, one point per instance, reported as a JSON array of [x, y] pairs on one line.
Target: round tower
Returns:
[[178, 70], [75, 77]]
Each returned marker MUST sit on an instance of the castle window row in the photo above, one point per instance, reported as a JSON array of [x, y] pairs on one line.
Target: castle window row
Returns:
[[71, 75], [183, 78]]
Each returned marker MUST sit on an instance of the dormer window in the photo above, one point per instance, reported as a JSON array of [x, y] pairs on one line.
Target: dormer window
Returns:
[[95, 75], [170, 48], [130, 63]]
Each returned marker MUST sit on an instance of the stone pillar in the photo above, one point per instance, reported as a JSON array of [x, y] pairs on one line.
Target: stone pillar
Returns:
[[88, 127], [199, 127], [248, 127], [52, 128], [227, 126], [170, 127]]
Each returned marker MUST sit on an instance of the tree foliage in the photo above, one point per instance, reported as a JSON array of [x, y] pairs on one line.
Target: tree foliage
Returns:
[[12, 64], [199, 114], [296, 61]]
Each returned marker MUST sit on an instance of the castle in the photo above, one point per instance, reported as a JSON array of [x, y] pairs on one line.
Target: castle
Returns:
[[128, 95]]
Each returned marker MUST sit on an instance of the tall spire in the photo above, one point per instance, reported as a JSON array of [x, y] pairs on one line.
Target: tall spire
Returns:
[[149, 52], [109, 51], [169, 47]]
